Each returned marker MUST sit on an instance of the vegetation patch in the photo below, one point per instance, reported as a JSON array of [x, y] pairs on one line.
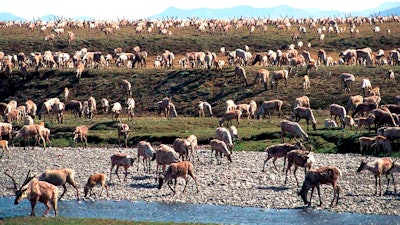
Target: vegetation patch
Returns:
[[187, 87]]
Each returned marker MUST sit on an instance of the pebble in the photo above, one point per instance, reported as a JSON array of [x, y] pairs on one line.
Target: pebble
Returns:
[[240, 183]]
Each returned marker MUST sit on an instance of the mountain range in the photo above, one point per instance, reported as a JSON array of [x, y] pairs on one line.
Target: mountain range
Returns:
[[386, 9], [282, 11]]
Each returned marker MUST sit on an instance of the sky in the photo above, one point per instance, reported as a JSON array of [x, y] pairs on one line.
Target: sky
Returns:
[[137, 9]]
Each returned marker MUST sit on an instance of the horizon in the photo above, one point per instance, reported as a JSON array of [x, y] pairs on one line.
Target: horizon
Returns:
[[42, 8]]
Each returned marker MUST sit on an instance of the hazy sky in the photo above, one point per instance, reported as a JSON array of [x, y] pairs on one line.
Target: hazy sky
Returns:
[[130, 9]]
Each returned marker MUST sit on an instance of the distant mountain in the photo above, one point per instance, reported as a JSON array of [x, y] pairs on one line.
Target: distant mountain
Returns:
[[5, 16], [82, 18], [273, 12], [385, 9], [52, 17], [281, 11], [243, 11], [388, 5], [390, 12]]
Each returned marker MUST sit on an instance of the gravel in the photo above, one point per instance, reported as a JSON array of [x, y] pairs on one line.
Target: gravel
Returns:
[[240, 183]]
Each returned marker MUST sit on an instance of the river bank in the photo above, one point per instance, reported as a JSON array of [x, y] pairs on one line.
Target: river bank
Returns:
[[240, 183]]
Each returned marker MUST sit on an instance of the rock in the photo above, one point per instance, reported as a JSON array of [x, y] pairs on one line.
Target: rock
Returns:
[[240, 183]]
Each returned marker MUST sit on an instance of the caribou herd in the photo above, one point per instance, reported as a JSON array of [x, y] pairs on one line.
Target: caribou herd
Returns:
[[360, 110], [294, 54]]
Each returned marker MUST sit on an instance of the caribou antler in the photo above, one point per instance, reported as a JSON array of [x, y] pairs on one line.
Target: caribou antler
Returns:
[[28, 178], [12, 178]]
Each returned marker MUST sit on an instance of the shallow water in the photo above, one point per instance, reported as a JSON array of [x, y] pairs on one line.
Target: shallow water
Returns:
[[183, 212]]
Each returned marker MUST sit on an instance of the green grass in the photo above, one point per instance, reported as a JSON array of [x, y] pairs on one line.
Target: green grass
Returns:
[[255, 135], [187, 87]]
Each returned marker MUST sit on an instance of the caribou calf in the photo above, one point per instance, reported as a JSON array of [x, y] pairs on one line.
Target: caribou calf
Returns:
[[96, 179]]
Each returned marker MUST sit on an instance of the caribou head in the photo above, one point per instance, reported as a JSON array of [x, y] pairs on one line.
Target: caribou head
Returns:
[[21, 192]]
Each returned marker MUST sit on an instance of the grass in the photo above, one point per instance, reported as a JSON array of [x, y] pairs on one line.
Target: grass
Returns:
[[187, 87], [255, 135]]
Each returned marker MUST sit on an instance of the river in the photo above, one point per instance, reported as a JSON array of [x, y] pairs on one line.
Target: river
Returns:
[[184, 212]]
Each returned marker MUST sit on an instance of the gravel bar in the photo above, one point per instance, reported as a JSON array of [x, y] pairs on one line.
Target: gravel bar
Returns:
[[240, 183]]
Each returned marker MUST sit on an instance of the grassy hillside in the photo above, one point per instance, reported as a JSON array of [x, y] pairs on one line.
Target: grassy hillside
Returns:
[[188, 87], [14, 40]]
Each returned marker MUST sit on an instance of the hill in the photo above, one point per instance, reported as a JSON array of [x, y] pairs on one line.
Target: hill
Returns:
[[390, 12], [281, 11], [244, 11], [188, 87], [6, 16]]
